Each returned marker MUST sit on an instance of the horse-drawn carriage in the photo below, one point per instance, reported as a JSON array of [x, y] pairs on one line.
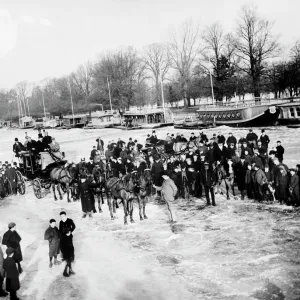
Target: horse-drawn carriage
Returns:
[[37, 167]]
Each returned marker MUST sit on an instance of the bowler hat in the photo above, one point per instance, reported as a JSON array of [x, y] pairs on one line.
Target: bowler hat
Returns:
[[11, 225]]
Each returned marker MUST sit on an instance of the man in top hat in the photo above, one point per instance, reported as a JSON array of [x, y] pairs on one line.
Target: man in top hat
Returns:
[[208, 181], [168, 192], [264, 139], [294, 188], [279, 151], [17, 147], [11, 239]]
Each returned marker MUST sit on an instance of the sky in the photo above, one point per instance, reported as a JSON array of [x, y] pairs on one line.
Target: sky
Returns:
[[51, 38]]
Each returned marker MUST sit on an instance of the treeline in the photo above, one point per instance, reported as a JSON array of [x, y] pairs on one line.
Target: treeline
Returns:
[[246, 60]]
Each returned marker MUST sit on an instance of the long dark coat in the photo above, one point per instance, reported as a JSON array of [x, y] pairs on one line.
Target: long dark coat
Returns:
[[66, 247], [157, 171], [12, 239], [241, 170], [87, 196], [67, 225], [12, 274], [208, 177], [294, 184], [17, 148], [12, 177], [53, 236]]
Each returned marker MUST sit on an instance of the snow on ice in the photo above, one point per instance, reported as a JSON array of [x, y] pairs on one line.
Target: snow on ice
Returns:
[[237, 250]]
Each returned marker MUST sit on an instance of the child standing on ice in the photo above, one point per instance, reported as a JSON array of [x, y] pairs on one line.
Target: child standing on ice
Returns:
[[53, 236]]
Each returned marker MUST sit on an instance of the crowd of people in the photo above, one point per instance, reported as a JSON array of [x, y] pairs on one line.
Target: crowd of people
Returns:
[[258, 172]]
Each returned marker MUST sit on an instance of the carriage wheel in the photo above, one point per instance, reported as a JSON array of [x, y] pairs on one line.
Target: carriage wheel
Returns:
[[37, 188], [21, 187]]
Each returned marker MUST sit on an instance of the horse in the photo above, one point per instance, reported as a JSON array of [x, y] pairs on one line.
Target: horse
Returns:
[[121, 188], [225, 172], [143, 181], [100, 178], [59, 176]]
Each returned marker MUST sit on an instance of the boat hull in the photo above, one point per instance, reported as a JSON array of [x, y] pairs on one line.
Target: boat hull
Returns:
[[254, 116]]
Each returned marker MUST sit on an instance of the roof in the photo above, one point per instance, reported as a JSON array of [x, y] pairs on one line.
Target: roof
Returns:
[[75, 116]]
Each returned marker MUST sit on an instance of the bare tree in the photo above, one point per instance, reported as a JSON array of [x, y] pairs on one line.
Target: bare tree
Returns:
[[22, 92], [184, 48], [157, 61], [83, 78], [255, 45]]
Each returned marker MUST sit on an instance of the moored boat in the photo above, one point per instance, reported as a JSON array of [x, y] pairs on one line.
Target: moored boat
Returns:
[[289, 112], [242, 113]]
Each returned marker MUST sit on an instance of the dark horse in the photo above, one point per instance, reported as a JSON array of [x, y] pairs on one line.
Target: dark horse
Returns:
[[143, 185], [121, 188], [61, 176], [225, 172], [100, 178]]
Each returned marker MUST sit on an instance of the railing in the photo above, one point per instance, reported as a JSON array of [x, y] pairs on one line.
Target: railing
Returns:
[[244, 103]]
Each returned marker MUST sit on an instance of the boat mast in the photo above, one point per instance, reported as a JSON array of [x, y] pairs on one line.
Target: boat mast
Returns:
[[162, 94], [19, 110], [44, 104], [71, 102], [109, 93], [28, 107], [211, 83]]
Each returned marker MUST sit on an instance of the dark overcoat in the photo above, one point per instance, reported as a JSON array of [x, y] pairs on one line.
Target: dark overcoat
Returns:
[[87, 196], [53, 236], [241, 170], [12, 239], [66, 247], [157, 171], [11, 274]]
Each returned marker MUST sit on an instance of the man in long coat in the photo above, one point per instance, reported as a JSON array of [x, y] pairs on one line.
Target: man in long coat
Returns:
[[2, 292], [11, 175], [208, 180], [17, 147], [52, 235], [87, 196], [241, 170], [11, 274], [156, 171], [12, 239], [169, 191], [294, 188]]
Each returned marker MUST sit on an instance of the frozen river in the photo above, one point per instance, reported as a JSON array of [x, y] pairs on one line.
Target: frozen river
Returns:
[[235, 251]]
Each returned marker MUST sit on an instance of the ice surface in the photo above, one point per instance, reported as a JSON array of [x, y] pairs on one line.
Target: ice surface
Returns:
[[237, 250]]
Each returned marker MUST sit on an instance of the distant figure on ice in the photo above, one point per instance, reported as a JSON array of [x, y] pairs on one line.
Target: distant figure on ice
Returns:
[[11, 274], [209, 181], [53, 236], [11, 239], [2, 274]]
